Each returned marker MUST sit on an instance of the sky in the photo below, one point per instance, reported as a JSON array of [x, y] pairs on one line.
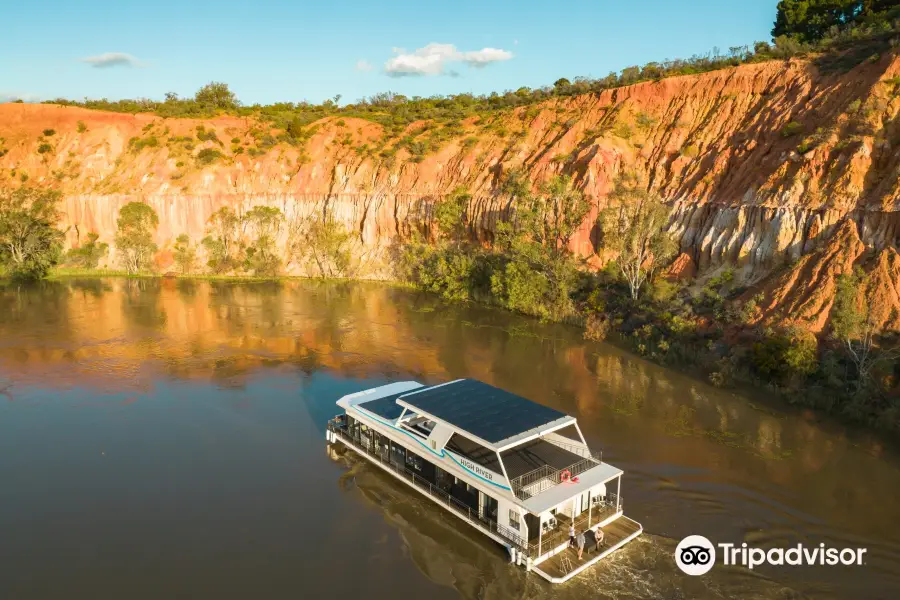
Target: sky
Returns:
[[273, 50]]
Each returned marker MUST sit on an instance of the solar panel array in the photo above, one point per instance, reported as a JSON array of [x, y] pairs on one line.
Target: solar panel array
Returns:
[[490, 413], [385, 407]]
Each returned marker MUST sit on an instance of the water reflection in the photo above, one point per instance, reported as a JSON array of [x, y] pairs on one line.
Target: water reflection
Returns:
[[698, 459]]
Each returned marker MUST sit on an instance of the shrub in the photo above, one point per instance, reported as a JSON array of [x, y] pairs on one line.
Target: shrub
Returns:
[[49, 132], [88, 254], [137, 144], [81, 127], [596, 328], [207, 136], [644, 121], [792, 128], [44, 148], [781, 355], [623, 130], [208, 156], [235, 140]]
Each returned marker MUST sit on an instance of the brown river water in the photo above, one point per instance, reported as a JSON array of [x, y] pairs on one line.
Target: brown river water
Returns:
[[165, 439]]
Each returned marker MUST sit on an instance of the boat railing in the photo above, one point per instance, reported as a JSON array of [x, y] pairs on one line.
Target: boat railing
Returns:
[[474, 516], [552, 538], [577, 449], [545, 477]]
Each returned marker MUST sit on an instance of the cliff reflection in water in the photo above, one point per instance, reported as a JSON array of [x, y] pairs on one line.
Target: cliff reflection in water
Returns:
[[740, 469]]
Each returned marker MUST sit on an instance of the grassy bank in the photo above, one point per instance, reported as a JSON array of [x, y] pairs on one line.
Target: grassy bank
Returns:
[[60, 273]]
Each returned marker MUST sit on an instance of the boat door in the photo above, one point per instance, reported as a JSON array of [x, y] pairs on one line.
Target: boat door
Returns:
[[487, 507]]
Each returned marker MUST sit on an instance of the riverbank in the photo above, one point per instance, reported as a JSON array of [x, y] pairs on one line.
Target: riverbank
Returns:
[[804, 373], [65, 272]]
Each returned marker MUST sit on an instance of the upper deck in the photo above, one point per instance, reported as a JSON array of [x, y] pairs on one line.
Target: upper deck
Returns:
[[532, 447]]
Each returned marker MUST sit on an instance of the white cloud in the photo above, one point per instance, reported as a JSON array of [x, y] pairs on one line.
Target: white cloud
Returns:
[[434, 58], [485, 56], [364, 66], [112, 59]]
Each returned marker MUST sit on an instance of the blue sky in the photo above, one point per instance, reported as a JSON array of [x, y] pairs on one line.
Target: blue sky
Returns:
[[274, 50]]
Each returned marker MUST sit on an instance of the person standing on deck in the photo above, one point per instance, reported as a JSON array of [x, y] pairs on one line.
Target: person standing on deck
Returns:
[[579, 541], [572, 535]]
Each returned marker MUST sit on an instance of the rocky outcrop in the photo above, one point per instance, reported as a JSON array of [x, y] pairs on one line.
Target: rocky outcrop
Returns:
[[765, 165], [803, 294]]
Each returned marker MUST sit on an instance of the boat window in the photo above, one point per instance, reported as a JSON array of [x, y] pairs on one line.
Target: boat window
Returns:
[[398, 454], [415, 461], [513, 519]]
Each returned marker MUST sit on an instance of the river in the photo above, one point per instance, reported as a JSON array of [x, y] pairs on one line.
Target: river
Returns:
[[165, 439]]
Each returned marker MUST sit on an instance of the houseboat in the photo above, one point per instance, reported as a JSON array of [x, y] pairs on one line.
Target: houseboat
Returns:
[[518, 471]]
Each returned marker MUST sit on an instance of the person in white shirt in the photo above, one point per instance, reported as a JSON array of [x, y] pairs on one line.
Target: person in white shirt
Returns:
[[598, 538]]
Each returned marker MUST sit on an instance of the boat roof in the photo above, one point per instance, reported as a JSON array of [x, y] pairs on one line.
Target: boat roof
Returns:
[[381, 400], [496, 418]]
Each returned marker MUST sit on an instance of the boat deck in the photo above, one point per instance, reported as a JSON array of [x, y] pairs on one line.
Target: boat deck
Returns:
[[566, 564]]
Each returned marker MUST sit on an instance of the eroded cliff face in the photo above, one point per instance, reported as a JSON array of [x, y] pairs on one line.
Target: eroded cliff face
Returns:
[[765, 165]]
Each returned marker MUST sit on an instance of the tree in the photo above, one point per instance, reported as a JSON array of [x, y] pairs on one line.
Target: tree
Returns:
[[450, 215], [811, 20], [30, 243], [540, 270], [325, 243], [222, 241], [295, 128], [185, 254], [134, 236], [635, 231], [89, 254], [561, 85], [217, 95], [265, 223], [853, 327]]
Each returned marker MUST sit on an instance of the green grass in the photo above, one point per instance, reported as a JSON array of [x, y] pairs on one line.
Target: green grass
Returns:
[[67, 272], [62, 272]]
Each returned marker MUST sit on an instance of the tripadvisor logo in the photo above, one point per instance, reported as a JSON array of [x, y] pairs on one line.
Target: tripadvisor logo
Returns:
[[696, 555]]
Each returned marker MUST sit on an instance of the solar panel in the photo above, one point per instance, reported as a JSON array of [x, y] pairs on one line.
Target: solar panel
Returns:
[[487, 412], [385, 407]]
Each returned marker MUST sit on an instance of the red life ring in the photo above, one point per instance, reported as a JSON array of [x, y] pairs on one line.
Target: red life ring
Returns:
[[565, 476]]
